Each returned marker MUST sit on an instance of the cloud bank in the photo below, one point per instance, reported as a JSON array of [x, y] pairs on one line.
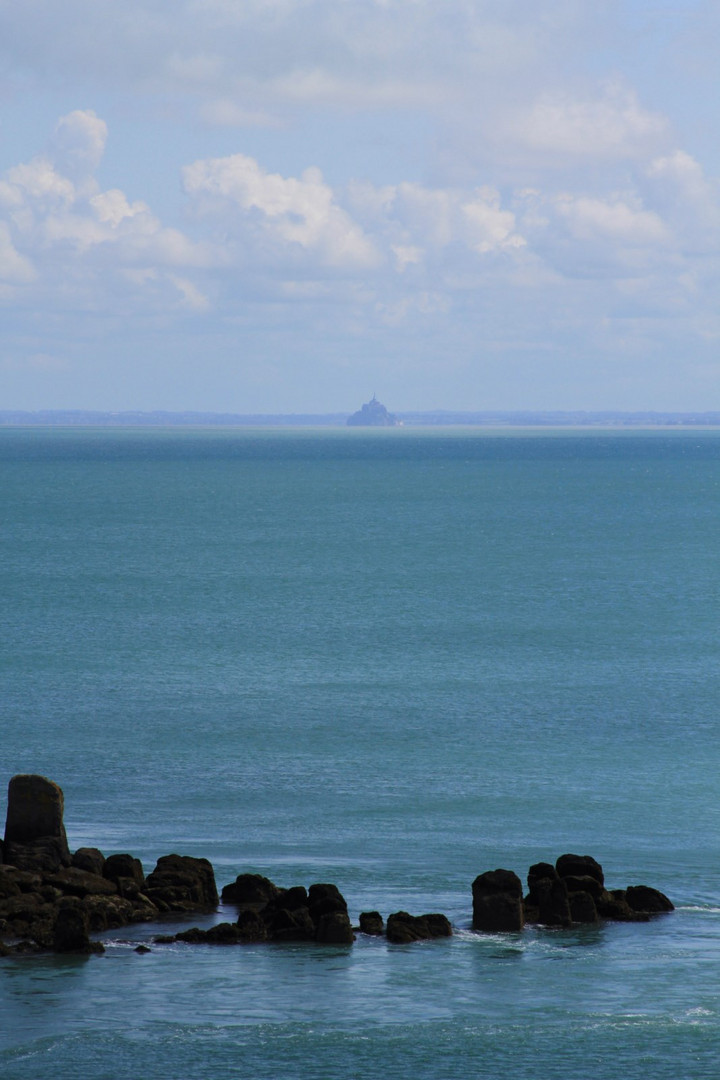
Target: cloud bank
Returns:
[[469, 198]]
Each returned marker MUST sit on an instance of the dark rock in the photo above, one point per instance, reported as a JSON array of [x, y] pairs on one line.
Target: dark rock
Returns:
[[107, 912], [117, 867], [250, 891], [75, 882], [292, 899], [34, 810], [142, 949], [193, 936], [403, 929], [44, 855], [371, 922], [498, 902], [547, 899], [223, 933], [251, 926], [586, 884], [643, 898], [580, 866], [182, 883], [582, 908], [90, 859], [334, 928], [284, 925], [71, 931], [613, 905], [325, 899]]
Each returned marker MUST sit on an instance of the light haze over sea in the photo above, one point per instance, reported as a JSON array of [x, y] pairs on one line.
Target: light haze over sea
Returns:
[[391, 660]]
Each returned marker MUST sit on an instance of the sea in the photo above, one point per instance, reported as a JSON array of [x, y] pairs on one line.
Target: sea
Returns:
[[390, 660]]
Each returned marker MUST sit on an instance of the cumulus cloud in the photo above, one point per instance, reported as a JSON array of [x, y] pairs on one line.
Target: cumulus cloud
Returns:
[[57, 225], [296, 211]]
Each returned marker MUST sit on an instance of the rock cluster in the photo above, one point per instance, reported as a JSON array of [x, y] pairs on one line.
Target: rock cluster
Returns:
[[267, 912], [571, 891], [53, 899]]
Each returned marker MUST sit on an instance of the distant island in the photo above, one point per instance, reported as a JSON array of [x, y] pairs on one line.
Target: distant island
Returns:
[[373, 414], [431, 418]]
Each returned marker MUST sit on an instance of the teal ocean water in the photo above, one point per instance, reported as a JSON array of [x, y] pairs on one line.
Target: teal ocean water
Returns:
[[391, 660]]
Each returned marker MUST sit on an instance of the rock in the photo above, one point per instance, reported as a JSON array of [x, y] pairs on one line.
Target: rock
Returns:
[[182, 883], [142, 949], [649, 901], [118, 867], [586, 884], [582, 908], [286, 925], [498, 902], [371, 922], [250, 891], [325, 899], [34, 831], [72, 881], [334, 928], [90, 859], [547, 897], [580, 866], [613, 905], [71, 931], [403, 929], [251, 926]]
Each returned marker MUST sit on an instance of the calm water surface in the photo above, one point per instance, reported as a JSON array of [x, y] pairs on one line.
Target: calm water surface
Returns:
[[391, 660]]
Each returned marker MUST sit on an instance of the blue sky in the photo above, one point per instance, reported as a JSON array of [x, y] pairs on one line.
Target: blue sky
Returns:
[[285, 205]]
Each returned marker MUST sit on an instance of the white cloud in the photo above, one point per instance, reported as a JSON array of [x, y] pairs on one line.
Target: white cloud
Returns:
[[290, 210], [78, 143], [60, 231], [614, 221], [613, 125]]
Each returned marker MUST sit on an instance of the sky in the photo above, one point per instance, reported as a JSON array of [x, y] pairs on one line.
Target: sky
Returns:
[[278, 206]]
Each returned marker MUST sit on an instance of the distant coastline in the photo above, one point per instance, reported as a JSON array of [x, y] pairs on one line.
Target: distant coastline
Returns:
[[432, 418]]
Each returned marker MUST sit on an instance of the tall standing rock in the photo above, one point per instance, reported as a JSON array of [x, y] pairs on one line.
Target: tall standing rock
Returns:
[[498, 902], [34, 831]]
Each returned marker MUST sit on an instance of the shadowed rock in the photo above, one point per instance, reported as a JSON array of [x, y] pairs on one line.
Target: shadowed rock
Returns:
[[649, 901], [498, 902], [70, 933], [250, 891], [403, 929], [182, 883], [34, 831], [90, 859], [371, 922], [547, 900], [580, 866]]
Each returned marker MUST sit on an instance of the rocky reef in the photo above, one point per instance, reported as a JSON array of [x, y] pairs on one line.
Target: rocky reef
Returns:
[[52, 899]]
